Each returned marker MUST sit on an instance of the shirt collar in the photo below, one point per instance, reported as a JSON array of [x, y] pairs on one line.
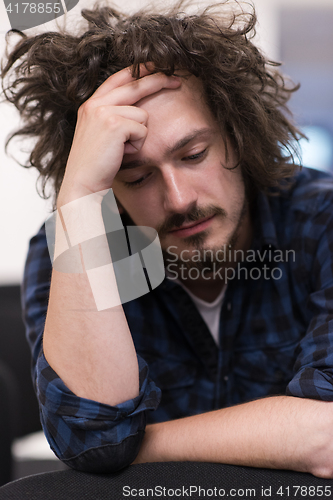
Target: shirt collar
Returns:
[[264, 230]]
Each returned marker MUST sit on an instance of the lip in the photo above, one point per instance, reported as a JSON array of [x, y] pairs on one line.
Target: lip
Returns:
[[195, 228]]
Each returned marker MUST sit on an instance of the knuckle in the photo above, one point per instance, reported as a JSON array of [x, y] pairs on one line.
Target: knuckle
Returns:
[[105, 116], [85, 107], [99, 112], [113, 122]]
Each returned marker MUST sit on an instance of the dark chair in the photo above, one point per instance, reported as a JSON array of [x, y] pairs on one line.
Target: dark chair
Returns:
[[19, 415], [15, 353], [8, 412], [169, 480]]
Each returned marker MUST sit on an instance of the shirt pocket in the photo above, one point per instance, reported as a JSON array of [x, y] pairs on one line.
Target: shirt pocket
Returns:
[[263, 371], [177, 380]]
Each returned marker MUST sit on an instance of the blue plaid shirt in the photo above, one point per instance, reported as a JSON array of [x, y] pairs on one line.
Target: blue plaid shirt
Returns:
[[275, 335]]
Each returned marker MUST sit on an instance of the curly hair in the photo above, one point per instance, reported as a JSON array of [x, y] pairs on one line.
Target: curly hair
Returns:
[[53, 73]]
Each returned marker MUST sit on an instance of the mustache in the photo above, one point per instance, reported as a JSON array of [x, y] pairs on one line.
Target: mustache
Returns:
[[175, 221]]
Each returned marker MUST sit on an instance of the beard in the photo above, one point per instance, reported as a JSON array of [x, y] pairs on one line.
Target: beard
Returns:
[[212, 258], [208, 258]]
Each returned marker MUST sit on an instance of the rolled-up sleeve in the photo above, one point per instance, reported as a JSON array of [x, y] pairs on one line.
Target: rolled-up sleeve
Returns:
[[314, 364], [84, 434], [88, 435]]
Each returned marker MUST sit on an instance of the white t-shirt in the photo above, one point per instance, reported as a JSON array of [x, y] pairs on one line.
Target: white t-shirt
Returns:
[[210, 311]]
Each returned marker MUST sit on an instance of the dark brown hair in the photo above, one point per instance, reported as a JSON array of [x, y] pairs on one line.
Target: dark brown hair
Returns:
[[51, 74]]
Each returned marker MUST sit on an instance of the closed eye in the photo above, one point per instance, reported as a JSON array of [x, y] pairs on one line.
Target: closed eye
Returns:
[[137, 182], [197, 156]]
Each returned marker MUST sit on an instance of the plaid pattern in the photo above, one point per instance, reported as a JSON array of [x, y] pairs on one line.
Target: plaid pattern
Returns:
[[276, 335]]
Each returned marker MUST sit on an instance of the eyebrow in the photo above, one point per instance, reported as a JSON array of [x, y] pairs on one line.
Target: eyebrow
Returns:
[[196, 134]]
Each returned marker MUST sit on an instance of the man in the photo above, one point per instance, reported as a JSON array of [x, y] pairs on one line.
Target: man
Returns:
[[181, 116]]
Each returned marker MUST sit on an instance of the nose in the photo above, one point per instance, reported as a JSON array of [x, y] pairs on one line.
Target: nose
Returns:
[[179, 192]]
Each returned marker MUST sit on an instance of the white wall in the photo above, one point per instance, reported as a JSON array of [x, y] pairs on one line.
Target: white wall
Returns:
[[22, 211]]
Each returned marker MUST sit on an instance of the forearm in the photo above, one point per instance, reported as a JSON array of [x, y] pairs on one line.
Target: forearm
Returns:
[[91, 350], [279, 432]]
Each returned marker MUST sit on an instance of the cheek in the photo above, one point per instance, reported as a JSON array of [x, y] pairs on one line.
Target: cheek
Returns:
[[231, 181], [226, 189], [138, 208], [219, 180]]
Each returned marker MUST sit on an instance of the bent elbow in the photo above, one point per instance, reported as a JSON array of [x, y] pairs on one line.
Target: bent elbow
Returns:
[[108, 458]]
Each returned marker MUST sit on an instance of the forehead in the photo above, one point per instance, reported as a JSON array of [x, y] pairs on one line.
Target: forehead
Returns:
[[174, 117], [178, 106]]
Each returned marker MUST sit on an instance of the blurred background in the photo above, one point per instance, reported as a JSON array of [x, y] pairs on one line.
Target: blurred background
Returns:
[[297, 33]]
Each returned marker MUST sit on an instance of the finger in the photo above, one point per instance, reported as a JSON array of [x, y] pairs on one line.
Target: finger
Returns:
[[134, 135], [129, 112], [103, 116], [119, 79], [133, 146], [134, 91]]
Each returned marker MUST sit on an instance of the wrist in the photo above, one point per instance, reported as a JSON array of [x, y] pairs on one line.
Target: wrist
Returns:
[[69, 194], [73, 188]]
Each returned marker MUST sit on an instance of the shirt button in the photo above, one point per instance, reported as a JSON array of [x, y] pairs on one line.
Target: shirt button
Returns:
[[226, 378], [229, 306]]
